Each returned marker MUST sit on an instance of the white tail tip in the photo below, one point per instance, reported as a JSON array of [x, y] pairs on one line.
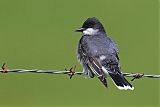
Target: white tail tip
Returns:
[[125, 87]]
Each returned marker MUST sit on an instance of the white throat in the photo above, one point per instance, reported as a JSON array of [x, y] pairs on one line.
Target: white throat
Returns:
[[90, 31]]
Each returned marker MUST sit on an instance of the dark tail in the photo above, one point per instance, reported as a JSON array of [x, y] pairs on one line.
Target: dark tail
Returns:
[[121, 82], [103, 80]]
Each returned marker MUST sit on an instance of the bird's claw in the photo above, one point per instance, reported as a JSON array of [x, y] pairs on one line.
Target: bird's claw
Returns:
[[137, 76], [71, 71]]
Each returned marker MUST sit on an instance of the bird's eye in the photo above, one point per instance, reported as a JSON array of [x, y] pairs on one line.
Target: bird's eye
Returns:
[[90, 25]]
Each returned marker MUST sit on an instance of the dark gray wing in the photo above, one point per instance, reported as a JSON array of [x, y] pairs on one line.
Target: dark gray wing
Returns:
[[91, 65], [114, 48], [84, 60], [96, 68], [111, 60]]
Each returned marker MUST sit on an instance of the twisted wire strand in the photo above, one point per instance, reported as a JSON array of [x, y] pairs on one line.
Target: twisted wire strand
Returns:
[[71, 72], [137, 75]]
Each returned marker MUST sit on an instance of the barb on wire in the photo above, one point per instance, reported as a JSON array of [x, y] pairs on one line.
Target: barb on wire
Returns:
[[70, 72], [4, 68]]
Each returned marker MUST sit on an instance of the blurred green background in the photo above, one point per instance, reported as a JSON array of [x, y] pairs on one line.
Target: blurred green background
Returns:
[[39, 34]]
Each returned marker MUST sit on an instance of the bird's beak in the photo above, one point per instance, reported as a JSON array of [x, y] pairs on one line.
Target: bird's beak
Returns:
[[80, 30]]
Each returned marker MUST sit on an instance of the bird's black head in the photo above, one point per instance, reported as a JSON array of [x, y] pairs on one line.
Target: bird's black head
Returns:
[[91, 25]]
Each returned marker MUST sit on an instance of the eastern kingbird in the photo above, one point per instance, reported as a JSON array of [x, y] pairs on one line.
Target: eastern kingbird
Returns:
[[99, 54]]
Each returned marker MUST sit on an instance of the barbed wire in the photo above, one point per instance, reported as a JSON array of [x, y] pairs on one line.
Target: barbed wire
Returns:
[[71, 72]]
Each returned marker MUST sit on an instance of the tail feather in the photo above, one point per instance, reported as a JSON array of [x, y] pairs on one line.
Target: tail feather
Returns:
[[103, 80], [121, 82]]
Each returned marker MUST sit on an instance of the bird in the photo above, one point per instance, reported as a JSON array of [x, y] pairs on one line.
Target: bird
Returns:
[[98, 54]]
